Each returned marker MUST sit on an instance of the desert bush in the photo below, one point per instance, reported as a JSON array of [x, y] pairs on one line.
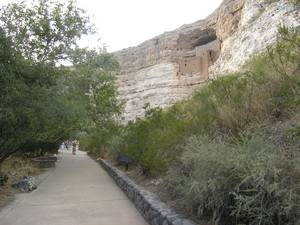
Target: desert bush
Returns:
[[150, 141], [251, 182], [16, 167]]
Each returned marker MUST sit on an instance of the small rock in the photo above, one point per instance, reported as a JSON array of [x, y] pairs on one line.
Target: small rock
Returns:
[[156, 182], [27, 184]]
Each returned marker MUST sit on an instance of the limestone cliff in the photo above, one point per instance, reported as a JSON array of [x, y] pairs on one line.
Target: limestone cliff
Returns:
[[167, 68]]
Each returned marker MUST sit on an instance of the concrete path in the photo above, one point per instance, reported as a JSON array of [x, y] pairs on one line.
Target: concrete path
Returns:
[[77, 192]]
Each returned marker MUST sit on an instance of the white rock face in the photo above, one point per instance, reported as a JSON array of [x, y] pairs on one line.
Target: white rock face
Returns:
[[258, 29], [156, 85]]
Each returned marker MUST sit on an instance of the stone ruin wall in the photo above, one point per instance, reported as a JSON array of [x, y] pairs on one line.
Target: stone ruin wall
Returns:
[[169, 67], [198, 61]]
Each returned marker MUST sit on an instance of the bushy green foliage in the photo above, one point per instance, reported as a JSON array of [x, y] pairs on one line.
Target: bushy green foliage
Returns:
[[150, 141], [44, 30], [251, 182], [42, 103], [34, 113], [93, 89]]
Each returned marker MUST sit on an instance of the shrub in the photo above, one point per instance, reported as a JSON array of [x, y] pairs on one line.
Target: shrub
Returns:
[[247, 183], [167, 129], [150, 141], [16, 167]]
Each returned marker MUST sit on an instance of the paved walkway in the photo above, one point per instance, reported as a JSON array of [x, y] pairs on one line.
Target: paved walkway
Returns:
[[77, 192]]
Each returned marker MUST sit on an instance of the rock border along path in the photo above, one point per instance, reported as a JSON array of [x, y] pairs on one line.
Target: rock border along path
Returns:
[[149, 205], [78, 191]]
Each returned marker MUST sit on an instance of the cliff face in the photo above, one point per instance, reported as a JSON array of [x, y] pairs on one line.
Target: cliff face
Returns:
[[167, 68], [258, 29]]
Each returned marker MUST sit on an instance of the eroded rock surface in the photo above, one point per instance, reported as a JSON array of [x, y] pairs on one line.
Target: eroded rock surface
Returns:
[[168, 68], [258, 29]]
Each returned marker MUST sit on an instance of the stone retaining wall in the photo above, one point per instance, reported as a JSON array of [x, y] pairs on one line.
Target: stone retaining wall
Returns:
[[153, 210]]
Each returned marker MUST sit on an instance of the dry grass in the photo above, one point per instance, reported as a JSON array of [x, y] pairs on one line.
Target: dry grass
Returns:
[[15, 168]]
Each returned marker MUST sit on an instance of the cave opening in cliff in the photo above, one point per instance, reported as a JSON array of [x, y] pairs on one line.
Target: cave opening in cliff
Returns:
[[191, 40], [205, 37]]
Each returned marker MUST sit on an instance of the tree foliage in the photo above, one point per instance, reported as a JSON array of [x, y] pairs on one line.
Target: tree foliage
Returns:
[[93, 77], [41, 103], [44, 31], [29, 107]]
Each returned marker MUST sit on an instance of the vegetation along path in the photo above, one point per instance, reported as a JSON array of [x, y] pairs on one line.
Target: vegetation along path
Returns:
[[78, 191]]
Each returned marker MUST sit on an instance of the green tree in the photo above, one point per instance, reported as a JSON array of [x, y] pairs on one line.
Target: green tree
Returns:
[[45, 31], [92, 80], [36, 108]]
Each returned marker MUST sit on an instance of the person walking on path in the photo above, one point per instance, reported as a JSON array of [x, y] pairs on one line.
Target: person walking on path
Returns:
[[74, 148]]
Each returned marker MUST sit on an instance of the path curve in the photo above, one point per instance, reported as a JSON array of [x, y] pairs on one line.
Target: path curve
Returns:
[[77, 192]]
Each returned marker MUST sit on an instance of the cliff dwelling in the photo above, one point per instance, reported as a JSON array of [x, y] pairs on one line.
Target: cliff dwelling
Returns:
[[203, 51]]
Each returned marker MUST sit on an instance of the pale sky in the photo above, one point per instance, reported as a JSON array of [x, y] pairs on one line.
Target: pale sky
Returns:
[[124, 23]]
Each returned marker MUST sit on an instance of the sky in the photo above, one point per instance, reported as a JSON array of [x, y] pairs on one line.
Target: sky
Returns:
[[125, 23]]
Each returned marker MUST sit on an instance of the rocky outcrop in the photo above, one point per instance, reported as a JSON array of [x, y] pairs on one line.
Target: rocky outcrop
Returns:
[[167, 68], [258, 29]]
